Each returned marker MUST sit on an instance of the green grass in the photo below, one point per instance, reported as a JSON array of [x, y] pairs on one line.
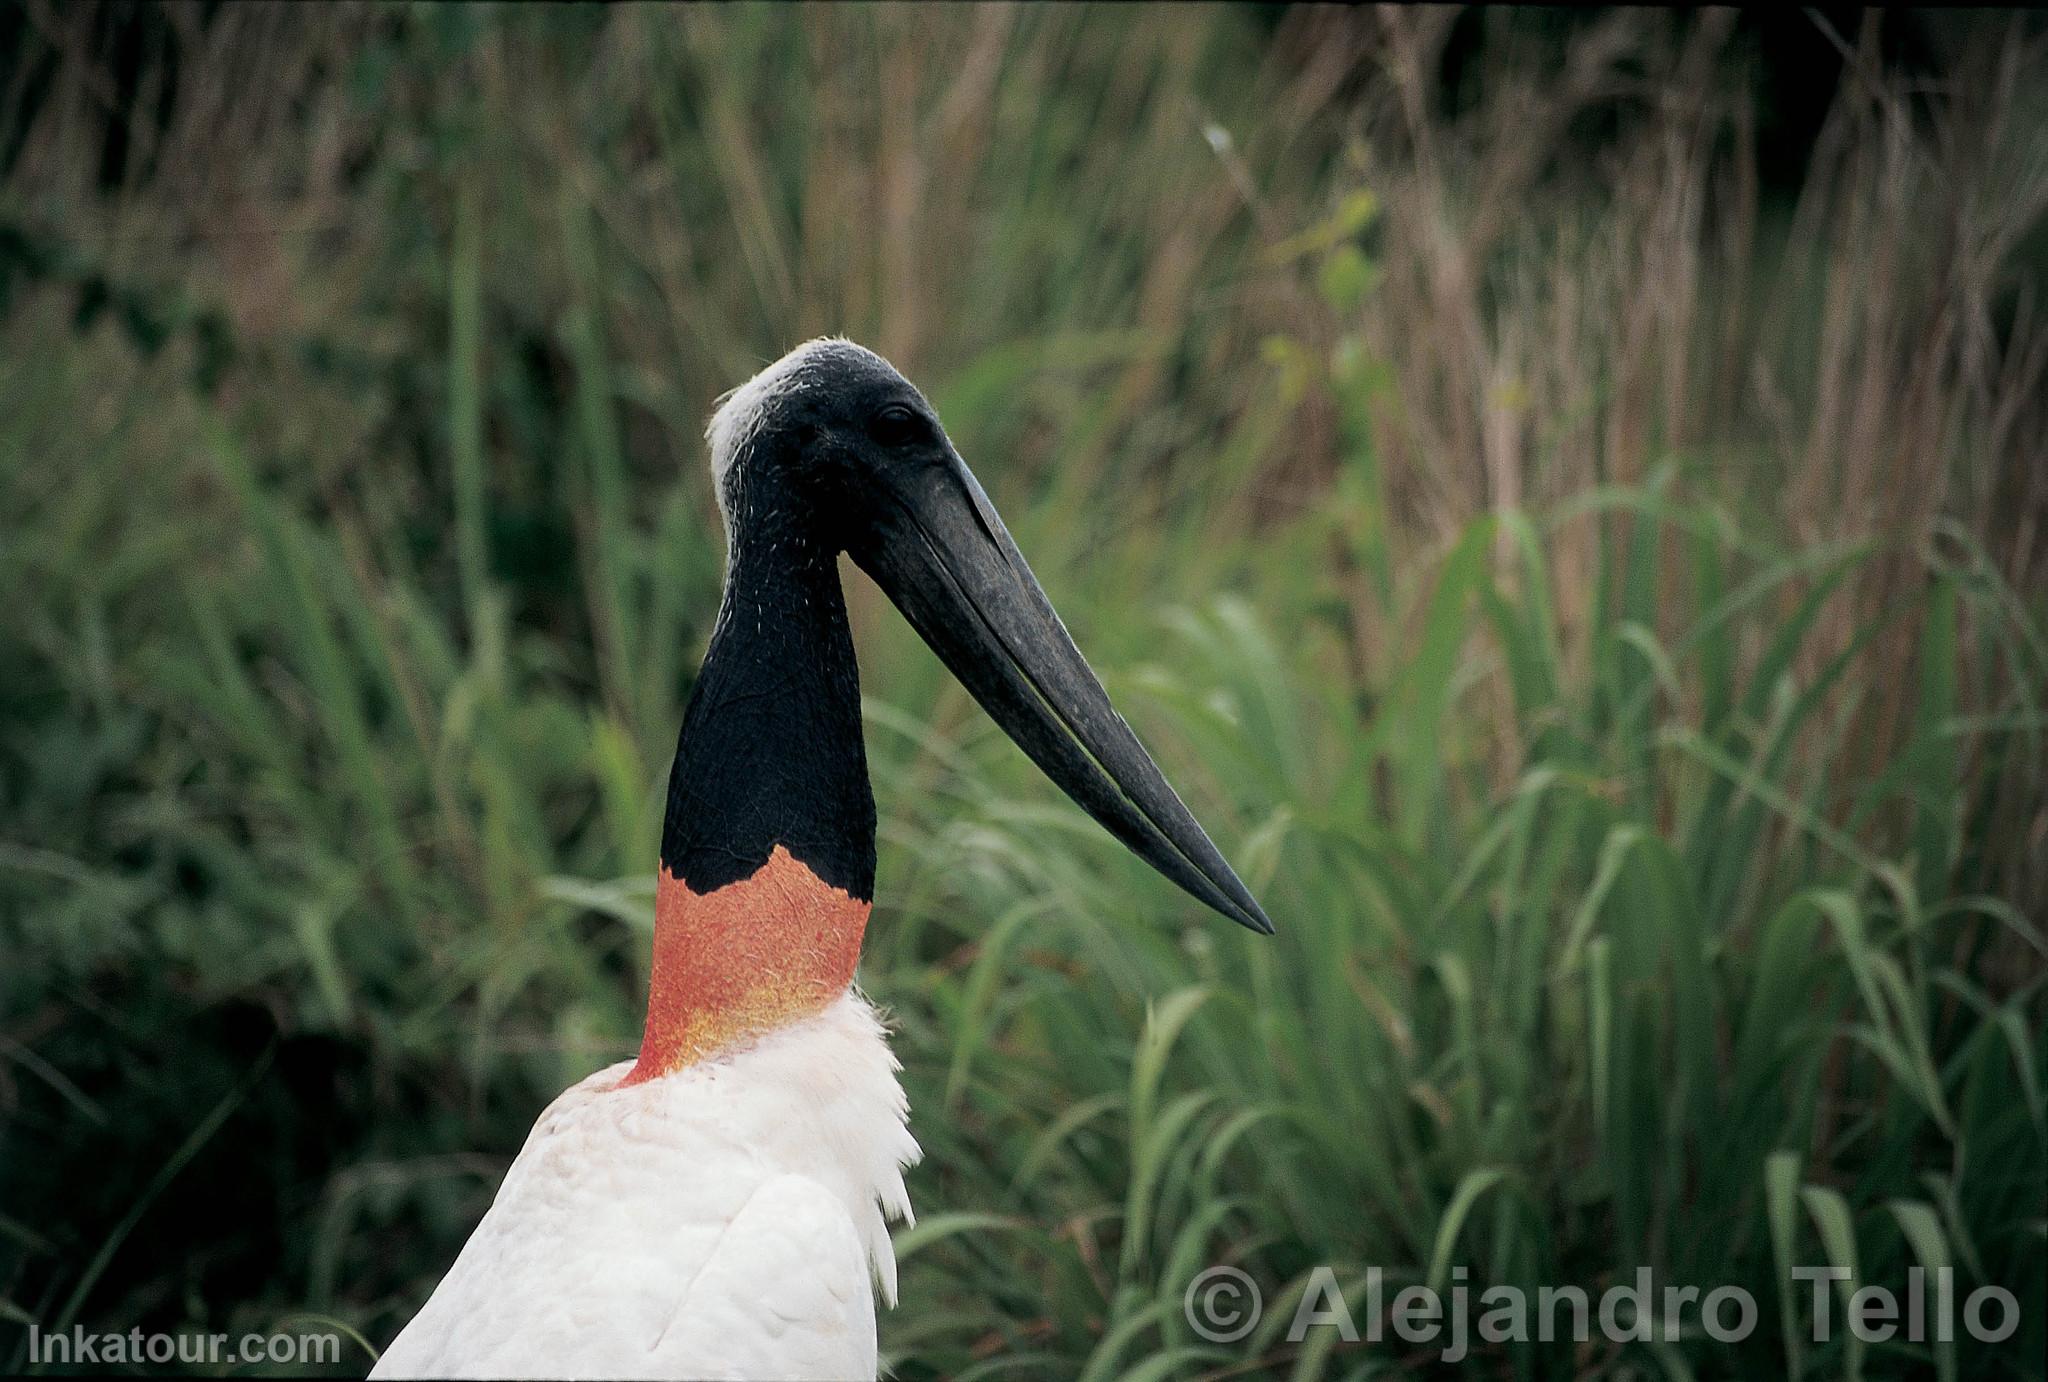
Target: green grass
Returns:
[[1554, 1031], [1647, 791]]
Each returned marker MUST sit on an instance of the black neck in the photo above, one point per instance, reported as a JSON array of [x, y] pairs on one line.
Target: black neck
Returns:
[[771, 751]]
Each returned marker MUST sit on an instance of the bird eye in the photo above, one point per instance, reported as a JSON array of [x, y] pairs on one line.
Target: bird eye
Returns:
[[895, 425]]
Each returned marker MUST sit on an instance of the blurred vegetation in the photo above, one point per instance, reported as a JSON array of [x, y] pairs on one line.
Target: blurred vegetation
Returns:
[[1598, 601]]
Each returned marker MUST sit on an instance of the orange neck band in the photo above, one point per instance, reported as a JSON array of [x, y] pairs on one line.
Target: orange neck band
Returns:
[[743, 960]]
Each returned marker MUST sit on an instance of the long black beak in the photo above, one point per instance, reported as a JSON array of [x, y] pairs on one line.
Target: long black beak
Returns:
[[938, 549]]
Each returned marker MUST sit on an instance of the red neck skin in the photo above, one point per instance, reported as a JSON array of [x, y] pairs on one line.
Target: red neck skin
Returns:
[[743, 960]]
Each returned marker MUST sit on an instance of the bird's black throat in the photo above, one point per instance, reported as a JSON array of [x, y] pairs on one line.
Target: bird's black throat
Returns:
[[770, 751]]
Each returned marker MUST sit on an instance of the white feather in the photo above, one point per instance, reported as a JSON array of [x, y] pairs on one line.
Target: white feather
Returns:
[[729, 1220]]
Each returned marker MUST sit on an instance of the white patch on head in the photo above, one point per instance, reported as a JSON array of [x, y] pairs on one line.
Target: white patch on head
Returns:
[[741, 411]]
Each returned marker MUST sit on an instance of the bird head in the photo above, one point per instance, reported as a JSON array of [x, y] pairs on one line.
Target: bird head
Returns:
[[848, 456]]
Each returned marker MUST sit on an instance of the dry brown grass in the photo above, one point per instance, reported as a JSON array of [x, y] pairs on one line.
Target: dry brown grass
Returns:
[[1553, 311]]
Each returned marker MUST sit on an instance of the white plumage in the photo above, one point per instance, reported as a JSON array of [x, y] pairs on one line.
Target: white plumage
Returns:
[[729, 1220]]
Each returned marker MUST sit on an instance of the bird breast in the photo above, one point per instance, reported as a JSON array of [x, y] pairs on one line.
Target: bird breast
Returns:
[[727, 1220]]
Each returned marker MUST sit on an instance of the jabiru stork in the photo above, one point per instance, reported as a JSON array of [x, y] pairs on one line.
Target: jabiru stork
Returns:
[[719, 1207]]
